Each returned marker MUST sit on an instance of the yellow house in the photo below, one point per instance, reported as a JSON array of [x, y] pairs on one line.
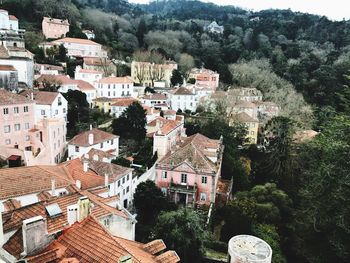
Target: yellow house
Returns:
[[251, 123], [103, 104]]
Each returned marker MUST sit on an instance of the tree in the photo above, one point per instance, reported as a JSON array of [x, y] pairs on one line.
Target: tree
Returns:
[[186, 63], [131, 123], [176, 78], [184, 231], [141, 31]]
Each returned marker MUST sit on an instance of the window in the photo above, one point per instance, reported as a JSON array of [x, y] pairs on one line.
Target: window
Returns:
[[203, 197], [27, 137], [56, 112], [76, 149], [6, 110], [59, 101], [7, 141], [184, 178], [101, 145], [64, 110], [7, 128], [164, 190], [25, 109], [16, 110], [127, 189], [123, 180], [42, 112], [106, 222], [252, 133], [17, 127], [127, 178], [112, 141], [204, 179], [26, 125], [164, 174], [119, 183]]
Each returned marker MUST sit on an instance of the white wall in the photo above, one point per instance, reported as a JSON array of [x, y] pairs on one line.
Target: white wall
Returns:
[[115, 90], [184, 102], [25, 68]]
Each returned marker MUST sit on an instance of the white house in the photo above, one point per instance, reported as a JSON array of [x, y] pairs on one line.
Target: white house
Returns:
[[213, 27], [184, 99], [89, 34], [48, 104], [120, 104], [93, 139], [23, 65], [77, 47], [88, 75], [156, 100], [8, 22], [115, 87]]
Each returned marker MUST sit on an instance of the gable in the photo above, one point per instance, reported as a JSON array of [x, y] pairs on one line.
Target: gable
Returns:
[[184, 167]]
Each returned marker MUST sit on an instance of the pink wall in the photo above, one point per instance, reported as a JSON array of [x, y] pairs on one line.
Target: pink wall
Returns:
[[53, 30], [192, 178]]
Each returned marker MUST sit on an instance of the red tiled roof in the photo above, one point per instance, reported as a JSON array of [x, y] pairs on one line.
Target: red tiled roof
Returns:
[[41, 97], [91, 61], [170, 112], [155, 96], [243, 117], [195, 152], [76, 41], [82, 139], [15, 244], [84, 86], [183, 91], [114, 171], [89, 71], [123, 102], [9, 98], [7, 68], [12, 17], [59, 79], [56, 21], [89, 242], [112, 80], [165, 125], [100, 154]]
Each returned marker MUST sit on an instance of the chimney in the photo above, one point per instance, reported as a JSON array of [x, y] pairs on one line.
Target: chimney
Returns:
[[95, 157], [35, 235], [85, 165], [106, 180], [84, 208], [32, 96], [90, 127], [72, 214], [53, 187], [91, 139], [78, 184], [2, 239]]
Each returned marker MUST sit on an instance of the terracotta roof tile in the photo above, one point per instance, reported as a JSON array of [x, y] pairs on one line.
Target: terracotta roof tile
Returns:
[[183, 91], [154, 246], [9, 98], [7, 68], [82, 139], [165, 125], [12, 17], [156, 96], [114, 171], [123, 102], [117, 80], [168, 257], [56, 21], [41, 97], [94, 153], [89, 71], [76, 40], [14, 245], [11, 204], [243, 117]]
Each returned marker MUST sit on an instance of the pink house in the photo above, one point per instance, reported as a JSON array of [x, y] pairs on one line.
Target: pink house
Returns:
[[55, 28], [205, 77], [189, 174]]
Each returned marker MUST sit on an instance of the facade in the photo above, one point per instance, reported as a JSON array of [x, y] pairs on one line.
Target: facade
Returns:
[[151, 113], [243, 106], [214, 28], [48, 104], [183, 99], [252, 125], [248, 249], [146, 73], [246, 94], [8, 78], [189, 173], [99, 64], [115, 87], [24, 66], [205, 77], [47, 69], [119, 105], [89, 34], [77, 47], [35, 141], [89, 75], [93, 139], [8, 22], [156, 100], [54, 27]]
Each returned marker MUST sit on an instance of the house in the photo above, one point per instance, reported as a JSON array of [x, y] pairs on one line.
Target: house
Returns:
[[99, 64], [88, 75], [266, 110], [115, 87], [87, 240], [60, 213], [8, 77], [104, 104], [34, 141], [93, 139], [77, 47], [47, 69], [205, 77], [146, 73], [169, 114], [246, 94], [183, 99], [48, 104], [54, 27], [119, 105], [213, 27], [8, 23], [166, 134], [89, 34], [189, 173], [156, 100], [251, 123], [248, 107], [151, 113]]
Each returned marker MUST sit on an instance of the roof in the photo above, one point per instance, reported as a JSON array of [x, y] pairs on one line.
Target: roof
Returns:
[[170, 112], [49, 67], [183, 91], [82, 139], [243, 117], [56, 21], [155, 96], [165, 126], [202, 71], [194, 151], [10, 98], [113, 171], [92, 61], [41, 97], [123, 102], [61, 79], [89, 71], [88, 241], [112, 80], [12, 17], [30, 179], [7, 68], [84, 86], [76, 41], [99, 154], [244, 104], [305, 135]]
